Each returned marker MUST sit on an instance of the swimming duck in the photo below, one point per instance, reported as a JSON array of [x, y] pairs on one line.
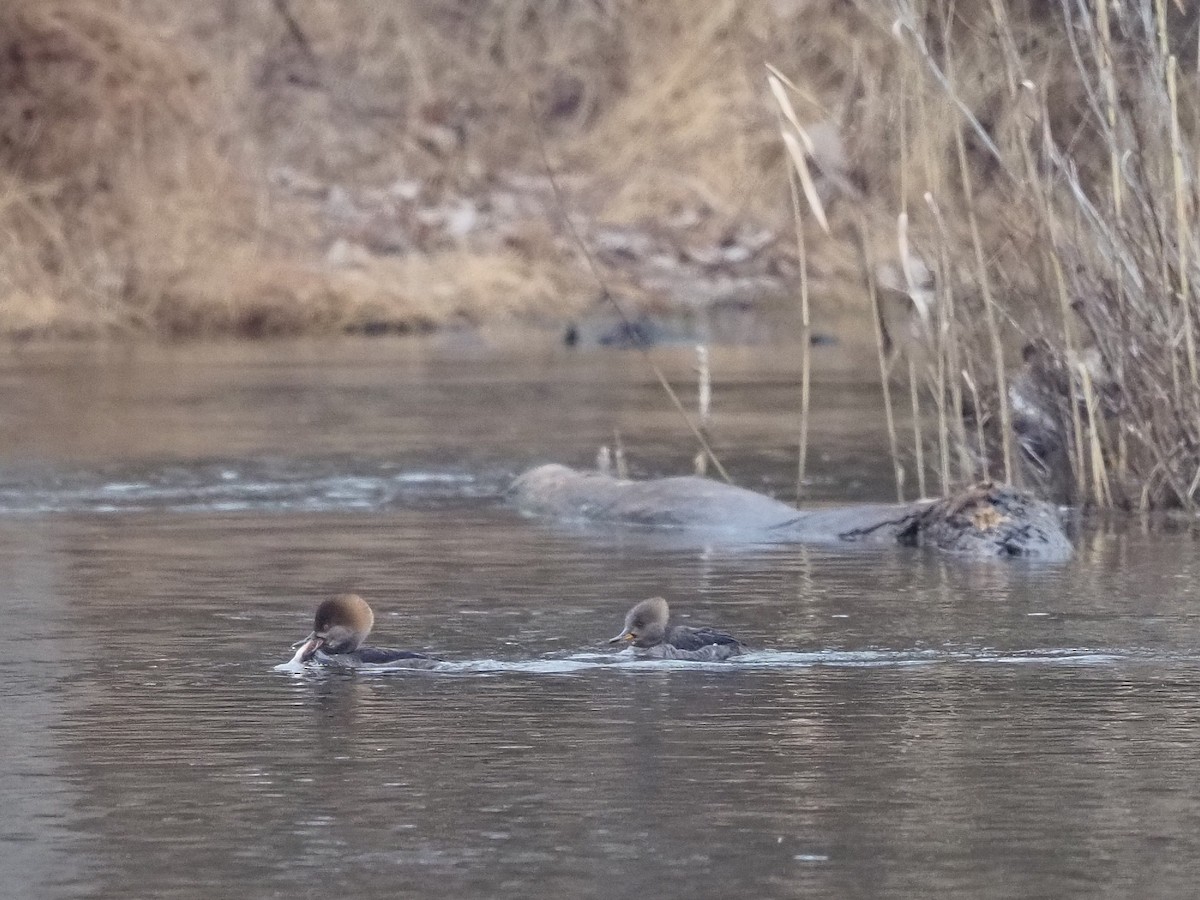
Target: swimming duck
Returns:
[[340, 626], [646, 627]]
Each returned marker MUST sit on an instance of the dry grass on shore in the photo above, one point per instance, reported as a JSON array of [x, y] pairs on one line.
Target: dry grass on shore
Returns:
[[137, 141], [150, 154], [178, 169]]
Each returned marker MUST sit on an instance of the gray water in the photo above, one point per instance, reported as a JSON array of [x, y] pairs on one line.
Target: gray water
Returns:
[[908, 726]]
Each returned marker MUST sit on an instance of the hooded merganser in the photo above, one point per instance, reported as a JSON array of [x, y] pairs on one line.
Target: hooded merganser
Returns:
[[340, 626], [647, 629]]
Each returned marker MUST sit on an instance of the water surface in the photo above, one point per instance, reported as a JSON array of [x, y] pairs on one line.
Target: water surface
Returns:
[[909, 726]]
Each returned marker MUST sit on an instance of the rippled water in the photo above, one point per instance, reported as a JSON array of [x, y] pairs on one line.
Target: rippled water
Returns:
[[907, 725]]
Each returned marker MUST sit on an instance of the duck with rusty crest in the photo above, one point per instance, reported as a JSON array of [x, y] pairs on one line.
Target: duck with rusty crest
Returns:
[[340, 628]]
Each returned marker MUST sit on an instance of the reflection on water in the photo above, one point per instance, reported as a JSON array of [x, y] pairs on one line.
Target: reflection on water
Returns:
[[907, 725]]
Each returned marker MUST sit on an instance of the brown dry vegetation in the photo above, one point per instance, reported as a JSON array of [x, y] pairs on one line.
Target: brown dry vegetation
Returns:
[[265, 167], [1047, 179], [168, 168], [229, 166]]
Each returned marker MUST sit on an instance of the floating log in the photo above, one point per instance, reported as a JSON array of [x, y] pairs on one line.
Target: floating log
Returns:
[[985, 520]]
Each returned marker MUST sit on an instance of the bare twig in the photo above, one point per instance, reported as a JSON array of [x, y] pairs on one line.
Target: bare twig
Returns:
[[616, 304]]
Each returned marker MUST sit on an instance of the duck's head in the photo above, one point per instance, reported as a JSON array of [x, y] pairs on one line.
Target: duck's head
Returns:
[[645, 624], [341, 624]]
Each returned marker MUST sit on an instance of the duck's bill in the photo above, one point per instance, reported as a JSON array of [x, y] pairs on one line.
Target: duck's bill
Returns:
[[623, 638]]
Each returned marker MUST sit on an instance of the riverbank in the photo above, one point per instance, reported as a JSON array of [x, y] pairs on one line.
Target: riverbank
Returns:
[[183, 170], [202, 169]]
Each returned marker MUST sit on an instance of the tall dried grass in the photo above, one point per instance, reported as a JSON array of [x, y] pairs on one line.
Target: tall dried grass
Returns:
[[1046, 175]]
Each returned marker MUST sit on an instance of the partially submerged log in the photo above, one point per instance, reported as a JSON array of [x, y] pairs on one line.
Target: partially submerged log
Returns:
[[986, 520]]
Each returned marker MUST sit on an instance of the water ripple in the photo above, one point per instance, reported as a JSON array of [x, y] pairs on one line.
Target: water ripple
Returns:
[[259, 485], [755, 660]]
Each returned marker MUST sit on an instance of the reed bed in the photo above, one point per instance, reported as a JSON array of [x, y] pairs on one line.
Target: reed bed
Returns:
[[1039, 286]]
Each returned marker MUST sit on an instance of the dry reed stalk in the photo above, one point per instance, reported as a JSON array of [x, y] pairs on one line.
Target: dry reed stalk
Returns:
[[800, 164], [881, 351], [980, 441], [914, 401], [1195, 484], [798, 171], [941, 333], [799, 146], [928, 163], [913, 381], [703, 403], [993, 330], [938, 386], [1048, 227], [1117, 190], [705, 447], [622, 467], [1160, 27], [805, 346], [952, 367], [704, 386], [914, 393], [1182, 230], [1071, 348], [1108, 80], [1101, 489], [908, 22]]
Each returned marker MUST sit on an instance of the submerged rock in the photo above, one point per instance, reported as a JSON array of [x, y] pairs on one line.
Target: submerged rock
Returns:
[[983, 521]]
